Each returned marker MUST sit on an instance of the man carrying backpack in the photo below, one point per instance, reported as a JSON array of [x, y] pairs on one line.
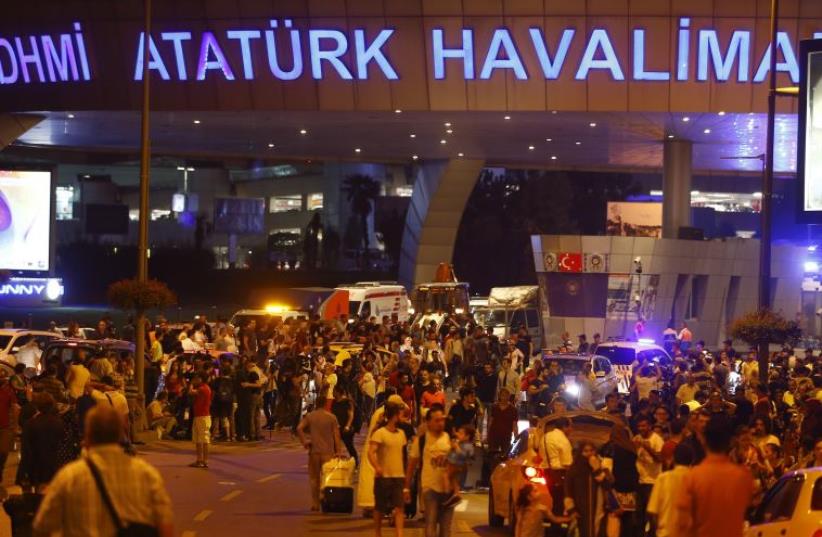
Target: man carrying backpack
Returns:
[[223, 387]]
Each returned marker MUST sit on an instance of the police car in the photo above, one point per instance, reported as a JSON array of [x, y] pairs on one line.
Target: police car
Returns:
[[622, 354]]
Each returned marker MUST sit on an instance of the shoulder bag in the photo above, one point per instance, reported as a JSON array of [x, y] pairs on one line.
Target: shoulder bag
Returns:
[[130, 529]]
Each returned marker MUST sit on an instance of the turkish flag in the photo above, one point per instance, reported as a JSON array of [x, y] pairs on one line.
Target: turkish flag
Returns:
[[569, 262]]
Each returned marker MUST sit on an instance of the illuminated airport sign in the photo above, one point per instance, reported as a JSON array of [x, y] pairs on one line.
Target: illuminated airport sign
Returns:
[[280, 49], [809, 153]]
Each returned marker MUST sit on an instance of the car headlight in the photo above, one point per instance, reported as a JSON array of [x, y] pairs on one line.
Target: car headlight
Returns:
[[572, 389]]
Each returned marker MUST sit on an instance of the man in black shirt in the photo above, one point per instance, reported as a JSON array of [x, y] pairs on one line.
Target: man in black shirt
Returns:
[[464, 411]]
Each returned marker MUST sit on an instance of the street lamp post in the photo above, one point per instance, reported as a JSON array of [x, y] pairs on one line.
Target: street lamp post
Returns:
[[145, 170], [767, 194]]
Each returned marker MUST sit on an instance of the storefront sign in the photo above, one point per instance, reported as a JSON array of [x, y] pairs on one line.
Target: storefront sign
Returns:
[[31, 292], [283, 50], [809, 152]]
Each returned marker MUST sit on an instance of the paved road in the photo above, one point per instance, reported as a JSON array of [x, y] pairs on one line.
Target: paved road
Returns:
[[262, 489]]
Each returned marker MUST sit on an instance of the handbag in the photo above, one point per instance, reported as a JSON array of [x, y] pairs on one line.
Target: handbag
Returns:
[[625, 500], [130, 529]]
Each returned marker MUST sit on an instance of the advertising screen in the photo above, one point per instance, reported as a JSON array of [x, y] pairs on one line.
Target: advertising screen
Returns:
[[810, 130], [634, 219], [25, 220]]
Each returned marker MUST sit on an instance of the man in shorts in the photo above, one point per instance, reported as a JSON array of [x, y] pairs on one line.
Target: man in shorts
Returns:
[[201, 430], [385, 453]]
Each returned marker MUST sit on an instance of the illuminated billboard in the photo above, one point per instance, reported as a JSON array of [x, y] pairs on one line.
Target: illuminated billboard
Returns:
[[809, 153], [25, 220]]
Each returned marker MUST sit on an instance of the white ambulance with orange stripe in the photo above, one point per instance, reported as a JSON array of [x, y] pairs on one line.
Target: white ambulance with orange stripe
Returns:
[[367, 299]]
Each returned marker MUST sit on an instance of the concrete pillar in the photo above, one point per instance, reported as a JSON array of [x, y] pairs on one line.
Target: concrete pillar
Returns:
[[441, 190], [676, 186], [13, 126]]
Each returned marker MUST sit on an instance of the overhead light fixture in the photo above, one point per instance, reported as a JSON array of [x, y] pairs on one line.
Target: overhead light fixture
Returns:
[[592, 124], [707, 131], [530, 148], [303, 132], [686, 119], [196, 121], [553, 111], [694, 192], [506, 118], [578, 143], [553, 157], [357, 150], [414, 157], [449, 131], [670, 136], [270, 145], [460, 154], [412, 135], [722, 112], [549, 139], [71, 116], [443, 141], [447, 124], [398, 111]]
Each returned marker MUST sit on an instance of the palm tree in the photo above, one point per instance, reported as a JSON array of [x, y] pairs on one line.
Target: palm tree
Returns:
[[361, 191]]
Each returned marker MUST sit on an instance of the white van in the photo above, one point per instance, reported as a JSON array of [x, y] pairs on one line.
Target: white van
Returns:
[[367, 299], [510, 308]]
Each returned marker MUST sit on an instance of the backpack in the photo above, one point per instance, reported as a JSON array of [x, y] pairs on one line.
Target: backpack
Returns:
[[225, 391]]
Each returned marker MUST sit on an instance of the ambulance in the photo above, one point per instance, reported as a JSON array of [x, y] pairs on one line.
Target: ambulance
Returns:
[[364, 300]]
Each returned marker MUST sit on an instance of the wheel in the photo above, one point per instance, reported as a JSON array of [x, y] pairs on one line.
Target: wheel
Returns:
[[494, 520]]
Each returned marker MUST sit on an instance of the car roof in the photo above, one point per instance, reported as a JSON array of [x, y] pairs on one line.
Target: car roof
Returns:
[[570, 356], [640, 346], [15, 331], [107, 344]]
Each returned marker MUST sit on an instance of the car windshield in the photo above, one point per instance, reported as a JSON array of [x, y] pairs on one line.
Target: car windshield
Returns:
[[354, 308], [4, 342], [617, 355], [816, 497], [569, 366], [488, 317]]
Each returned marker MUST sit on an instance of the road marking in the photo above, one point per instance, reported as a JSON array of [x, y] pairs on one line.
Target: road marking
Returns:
[[463, 527], [462, 506], [231, 495], [268, 478], [229, 483], [189, 533], [202, 515]]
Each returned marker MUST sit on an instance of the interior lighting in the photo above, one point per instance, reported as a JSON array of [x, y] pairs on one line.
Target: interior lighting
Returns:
[[707, 131], [412, 135], [507, 118], [553, 157], [357, 150], [414, 157], [549, 139], [196, 121], [71, 116], [670, 136], [592, 124], [686, 119], [530, 148], [303, 132], [578, 143], [443, 141], [721, 112], [811, 266], [398, 111], [271, 146]]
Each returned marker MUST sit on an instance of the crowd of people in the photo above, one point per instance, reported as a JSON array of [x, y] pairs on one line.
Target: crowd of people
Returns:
[[387, 380]]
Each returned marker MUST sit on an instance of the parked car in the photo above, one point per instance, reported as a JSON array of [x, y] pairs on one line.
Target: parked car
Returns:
[[12, 339], [67, 349], [623, 354], [793, 506], [606, 378], [518, 468]]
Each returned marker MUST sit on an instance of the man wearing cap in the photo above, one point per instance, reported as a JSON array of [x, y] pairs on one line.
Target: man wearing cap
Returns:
[[365, 485]]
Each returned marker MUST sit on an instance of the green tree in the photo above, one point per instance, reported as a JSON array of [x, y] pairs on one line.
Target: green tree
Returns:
[[361, 192]]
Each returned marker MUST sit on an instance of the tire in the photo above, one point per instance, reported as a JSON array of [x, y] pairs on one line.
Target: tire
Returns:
[[494, 520]]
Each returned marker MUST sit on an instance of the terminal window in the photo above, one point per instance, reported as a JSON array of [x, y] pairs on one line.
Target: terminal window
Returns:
[[315, 201], [284, 204]]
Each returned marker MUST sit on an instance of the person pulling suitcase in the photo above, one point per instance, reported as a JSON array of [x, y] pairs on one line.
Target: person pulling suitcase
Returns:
[[323, 443]]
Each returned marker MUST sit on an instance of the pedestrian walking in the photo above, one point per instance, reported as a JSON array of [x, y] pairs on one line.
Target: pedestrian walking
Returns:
[[386, 450], [107, 490], [668, 486], [201, 428], [716, 493], [39, 452], [8, 403], [322, 441], [429, 454]]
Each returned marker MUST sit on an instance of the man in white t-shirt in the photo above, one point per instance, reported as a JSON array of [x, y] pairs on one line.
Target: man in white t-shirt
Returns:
[[668, 486], [648, 464], [385, 451], [436, 445], [555, 450]]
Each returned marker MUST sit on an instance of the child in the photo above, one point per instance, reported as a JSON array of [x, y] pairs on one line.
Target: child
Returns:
[[462, 451], [532, 507]]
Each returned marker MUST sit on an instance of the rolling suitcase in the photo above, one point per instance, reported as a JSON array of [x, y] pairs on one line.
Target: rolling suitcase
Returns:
[[337, 490]]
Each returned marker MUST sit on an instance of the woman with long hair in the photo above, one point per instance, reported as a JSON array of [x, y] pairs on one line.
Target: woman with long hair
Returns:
[[585, 485], [620, 456]]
